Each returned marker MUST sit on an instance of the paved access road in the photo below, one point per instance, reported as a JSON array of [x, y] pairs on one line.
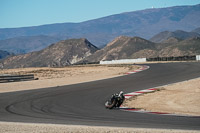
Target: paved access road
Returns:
[[84, 103]]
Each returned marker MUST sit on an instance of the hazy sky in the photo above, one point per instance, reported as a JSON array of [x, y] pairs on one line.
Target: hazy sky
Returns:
[[22, 13]]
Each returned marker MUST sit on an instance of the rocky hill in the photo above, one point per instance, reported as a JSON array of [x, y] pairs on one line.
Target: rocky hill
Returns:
[[134, 47], [123, 47], [176, 34], [56, 55], [186, 47], [143, 23]]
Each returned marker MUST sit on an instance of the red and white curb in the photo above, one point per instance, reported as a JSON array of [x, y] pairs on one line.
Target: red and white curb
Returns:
[[144, 67], [136, 93]]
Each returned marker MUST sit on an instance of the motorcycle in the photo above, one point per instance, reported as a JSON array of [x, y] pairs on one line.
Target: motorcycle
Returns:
[[114, 102]]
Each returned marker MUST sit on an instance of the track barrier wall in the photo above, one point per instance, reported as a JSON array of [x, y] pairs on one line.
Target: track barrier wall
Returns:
[[16, 78], [124, 61], [131, 61], [178, 58], [198, 57]]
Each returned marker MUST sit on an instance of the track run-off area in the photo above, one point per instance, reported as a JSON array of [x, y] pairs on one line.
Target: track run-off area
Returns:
[[83, 104]]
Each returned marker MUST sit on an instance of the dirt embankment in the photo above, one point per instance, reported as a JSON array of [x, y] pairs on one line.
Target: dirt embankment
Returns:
[[180, 98]]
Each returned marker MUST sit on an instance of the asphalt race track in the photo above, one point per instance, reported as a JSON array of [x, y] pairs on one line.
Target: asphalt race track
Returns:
[[83, 104]]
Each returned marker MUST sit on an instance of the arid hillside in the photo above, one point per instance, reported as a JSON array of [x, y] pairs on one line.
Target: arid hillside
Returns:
[[56, 55], [124, 47]]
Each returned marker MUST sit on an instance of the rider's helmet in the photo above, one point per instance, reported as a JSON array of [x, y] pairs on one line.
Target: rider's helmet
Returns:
[[121, 93]]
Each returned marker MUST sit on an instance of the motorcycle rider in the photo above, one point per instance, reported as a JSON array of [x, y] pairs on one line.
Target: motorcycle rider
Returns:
[[122, 98], [116, 100]]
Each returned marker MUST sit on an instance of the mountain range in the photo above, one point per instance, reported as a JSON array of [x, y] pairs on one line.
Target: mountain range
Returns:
[[143, 23], [164, 32], [21, 45], [4, 54], [197, 30], [76, 51]]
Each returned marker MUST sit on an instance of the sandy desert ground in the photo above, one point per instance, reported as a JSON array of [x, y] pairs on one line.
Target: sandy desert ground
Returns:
[[178, 96], [6, 127]]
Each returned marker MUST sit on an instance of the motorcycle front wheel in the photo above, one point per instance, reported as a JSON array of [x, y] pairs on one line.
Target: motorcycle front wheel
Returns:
[[110, 105]]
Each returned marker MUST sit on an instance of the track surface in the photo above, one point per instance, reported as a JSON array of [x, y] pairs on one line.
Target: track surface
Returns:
[[83, 104]]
